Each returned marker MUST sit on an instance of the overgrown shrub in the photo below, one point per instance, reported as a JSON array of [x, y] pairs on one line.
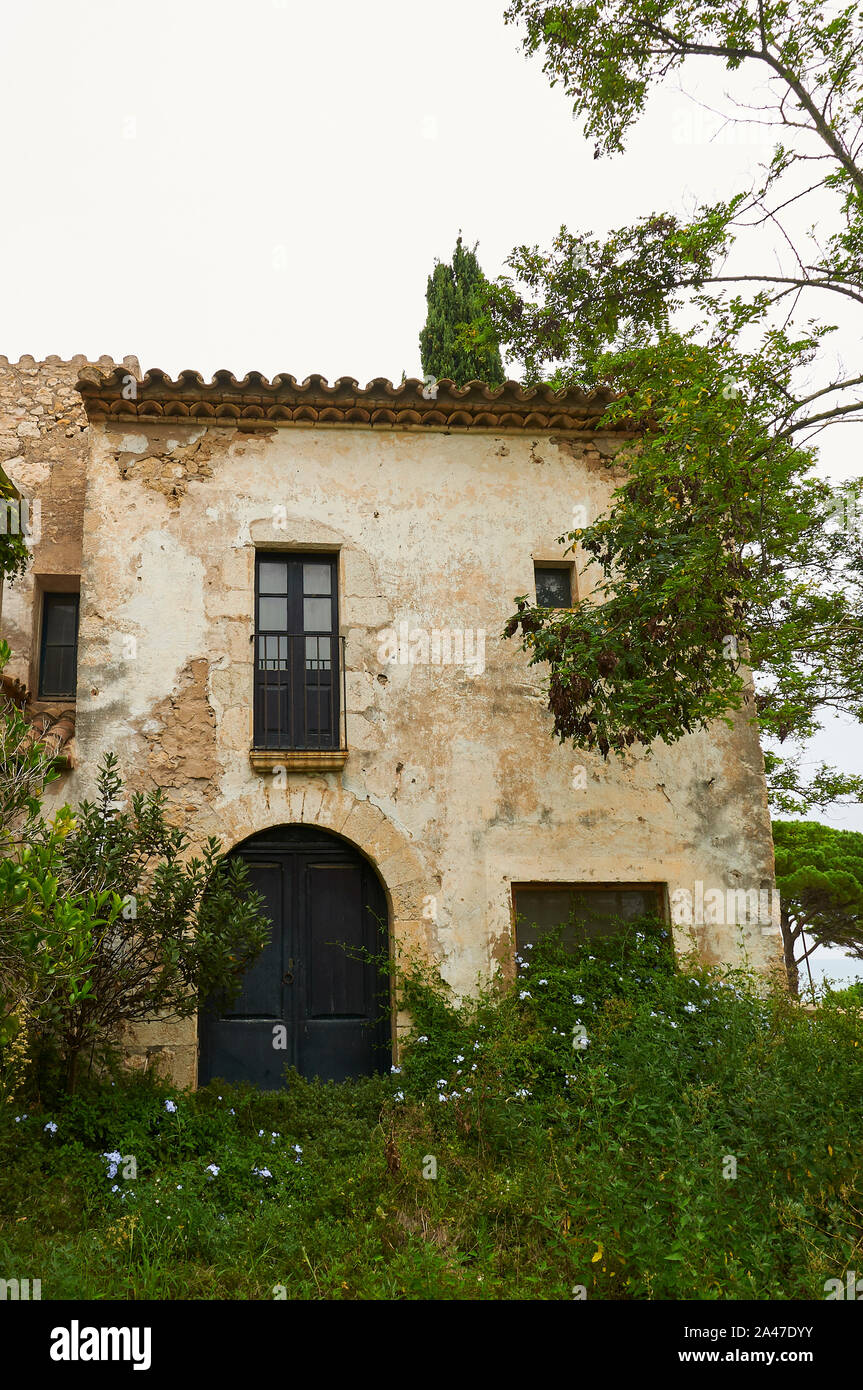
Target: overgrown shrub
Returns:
[[699, 1140], [106, 921]]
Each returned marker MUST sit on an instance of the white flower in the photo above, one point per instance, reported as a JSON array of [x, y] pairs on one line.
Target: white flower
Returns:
[[296, 1148], [399, 1095], [690, 1008], [441, 1096], [521, 1094], [473, 1068], [232, 1112], [260, 1133], [543, 982], [116, 1187], [468, 1090], [171, 1107], [261, 1173], [213, 1170], [528, 945], [423, 1038], [476, 1047], [396, 1071], [459, 1058], [525, 994], [440, 1084], [577, 999], [179, 1187], [50, 1127]]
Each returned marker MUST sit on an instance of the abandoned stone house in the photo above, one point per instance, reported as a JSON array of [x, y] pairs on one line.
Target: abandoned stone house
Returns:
[[283, 604]]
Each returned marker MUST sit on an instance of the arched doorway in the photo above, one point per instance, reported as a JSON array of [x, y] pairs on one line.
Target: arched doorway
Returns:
[[306, 1001]]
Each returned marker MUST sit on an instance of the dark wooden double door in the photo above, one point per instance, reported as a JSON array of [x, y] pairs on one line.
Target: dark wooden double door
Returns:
[[310, 1000]]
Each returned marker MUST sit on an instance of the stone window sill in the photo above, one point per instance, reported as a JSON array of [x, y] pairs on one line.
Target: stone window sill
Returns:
[[298, 759]]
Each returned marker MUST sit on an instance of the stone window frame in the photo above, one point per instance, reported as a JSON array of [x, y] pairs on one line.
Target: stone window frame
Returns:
[[543, 561], [288, 759], [44, 584]]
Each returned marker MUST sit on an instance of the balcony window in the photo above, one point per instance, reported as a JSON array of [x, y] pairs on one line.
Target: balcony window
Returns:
[[298, 652]]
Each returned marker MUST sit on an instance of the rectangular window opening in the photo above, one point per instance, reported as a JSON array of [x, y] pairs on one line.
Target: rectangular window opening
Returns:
[[298, 667], [553, 586], [58, 658], [584, 911]]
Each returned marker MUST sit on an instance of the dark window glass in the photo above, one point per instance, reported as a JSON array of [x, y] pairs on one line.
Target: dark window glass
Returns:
[[297, 697], [583, 912], [58, 665], [554, 587]]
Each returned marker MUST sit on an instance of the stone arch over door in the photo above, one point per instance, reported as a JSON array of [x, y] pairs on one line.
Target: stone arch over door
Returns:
[[362, 828], [317, 999]]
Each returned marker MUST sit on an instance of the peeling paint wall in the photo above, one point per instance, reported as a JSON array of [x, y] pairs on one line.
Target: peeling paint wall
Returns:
[[44, 445], [453, 785]]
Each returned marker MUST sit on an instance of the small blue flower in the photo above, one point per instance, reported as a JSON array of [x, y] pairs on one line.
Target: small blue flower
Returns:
[[170, 1107], [51, 1128]]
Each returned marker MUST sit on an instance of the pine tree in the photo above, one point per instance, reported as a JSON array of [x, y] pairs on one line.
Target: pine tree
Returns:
[[454, 342]]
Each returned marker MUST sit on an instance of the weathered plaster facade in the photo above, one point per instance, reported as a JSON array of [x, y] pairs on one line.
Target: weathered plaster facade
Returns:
[[452, 786]]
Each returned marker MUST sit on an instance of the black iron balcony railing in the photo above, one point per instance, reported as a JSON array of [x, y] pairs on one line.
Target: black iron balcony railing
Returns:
[[299, 690]]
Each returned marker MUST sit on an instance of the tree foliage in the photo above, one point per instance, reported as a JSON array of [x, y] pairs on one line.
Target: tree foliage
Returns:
[[721, 544], [819, 874], [105, 920], [455, 343]]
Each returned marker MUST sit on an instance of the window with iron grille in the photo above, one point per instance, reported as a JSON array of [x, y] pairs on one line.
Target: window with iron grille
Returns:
[[58, 660], [298, 652]]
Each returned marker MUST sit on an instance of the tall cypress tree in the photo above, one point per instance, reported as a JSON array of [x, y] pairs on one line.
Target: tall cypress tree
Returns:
[[455, 307]]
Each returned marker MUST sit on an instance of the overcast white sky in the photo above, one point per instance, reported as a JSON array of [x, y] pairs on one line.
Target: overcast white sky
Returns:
[[266, 186]]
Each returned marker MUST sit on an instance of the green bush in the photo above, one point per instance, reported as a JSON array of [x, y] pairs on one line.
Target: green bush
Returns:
[[608, 1123]]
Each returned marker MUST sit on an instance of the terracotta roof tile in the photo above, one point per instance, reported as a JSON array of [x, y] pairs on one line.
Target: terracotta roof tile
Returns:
[[257, 402]]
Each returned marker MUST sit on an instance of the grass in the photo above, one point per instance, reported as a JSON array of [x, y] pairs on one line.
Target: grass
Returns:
[[702, 1144]]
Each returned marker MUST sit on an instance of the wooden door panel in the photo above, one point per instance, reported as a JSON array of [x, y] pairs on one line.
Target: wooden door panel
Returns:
[[336, 981], [261, 994]]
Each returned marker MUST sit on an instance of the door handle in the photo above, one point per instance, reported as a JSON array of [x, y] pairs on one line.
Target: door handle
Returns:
[[288, 977]]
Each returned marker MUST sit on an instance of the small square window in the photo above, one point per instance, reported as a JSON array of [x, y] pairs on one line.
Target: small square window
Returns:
[[553, 586]]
